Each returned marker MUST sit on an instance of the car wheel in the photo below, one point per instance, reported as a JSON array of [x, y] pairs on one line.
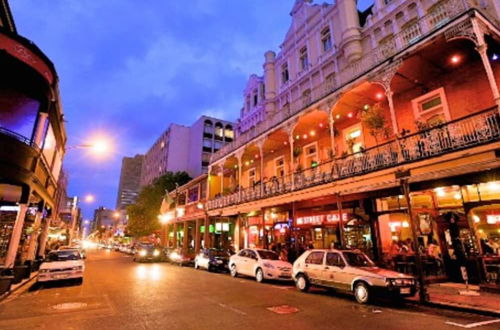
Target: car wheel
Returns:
[[302, 283], [362, 293], [259, 275], [233, 271]]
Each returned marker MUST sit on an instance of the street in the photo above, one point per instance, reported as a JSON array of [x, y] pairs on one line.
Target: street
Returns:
[[120, 294]]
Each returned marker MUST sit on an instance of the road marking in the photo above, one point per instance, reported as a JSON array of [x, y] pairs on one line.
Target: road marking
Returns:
[[282, 287], [237, 311], [473, 325], [66, 306], [283, 309]]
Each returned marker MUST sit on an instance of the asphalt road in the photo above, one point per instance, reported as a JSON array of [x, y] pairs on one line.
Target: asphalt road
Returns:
[[120, 294]]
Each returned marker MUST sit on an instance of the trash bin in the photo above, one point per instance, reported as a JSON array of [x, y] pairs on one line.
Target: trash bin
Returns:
[[5, 283], [20, 272]]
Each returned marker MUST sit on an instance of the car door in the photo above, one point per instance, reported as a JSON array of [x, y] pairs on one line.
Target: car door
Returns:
[[251, 263], [313, 266], [333, 272], [240, 260]]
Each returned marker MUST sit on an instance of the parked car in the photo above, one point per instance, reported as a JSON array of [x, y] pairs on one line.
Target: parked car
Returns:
[[62, 265], [147, 252], [212, 259], [350, 271], [66, 247], [261, 264], [181, 258]]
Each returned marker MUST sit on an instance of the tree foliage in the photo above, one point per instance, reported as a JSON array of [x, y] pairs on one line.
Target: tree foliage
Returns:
[[373, 118], [143, 214]]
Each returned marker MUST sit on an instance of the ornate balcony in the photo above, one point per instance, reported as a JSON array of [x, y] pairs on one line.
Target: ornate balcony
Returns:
[[439, 17], [477, 129]]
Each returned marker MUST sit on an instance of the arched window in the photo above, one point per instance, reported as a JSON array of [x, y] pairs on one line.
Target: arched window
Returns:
[[208, 127], [219, 130], [229, 132]]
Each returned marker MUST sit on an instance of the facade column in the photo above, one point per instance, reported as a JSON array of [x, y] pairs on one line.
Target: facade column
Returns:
[[175, 235], [40, 125], [222, 180], [237, 234], [389, 93], [10, 258], [332, 133], [292, 160], [44, 237], [197, 239], [34, 236], [341, 222], [481, 48], [209, 174], [239, 157], [414, 229], [206, 238], [185, 236], [261, 174]]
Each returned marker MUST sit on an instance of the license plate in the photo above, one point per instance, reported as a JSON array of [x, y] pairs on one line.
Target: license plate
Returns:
[[405, 291], [61, 276]]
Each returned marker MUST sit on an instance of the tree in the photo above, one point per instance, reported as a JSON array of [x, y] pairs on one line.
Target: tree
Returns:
[[143, 214], [373, 119]]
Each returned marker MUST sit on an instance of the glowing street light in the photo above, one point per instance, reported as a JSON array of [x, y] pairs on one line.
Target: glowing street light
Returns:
[[89, 198]]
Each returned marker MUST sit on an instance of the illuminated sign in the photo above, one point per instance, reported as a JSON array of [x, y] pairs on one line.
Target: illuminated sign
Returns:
[[493, 219], [320, 219]]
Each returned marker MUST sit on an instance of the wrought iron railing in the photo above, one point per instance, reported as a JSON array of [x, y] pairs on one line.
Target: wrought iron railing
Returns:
[[473, 130], [440, 14], [17, 136]]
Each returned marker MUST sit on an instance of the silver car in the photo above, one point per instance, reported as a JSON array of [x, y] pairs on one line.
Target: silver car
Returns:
[[350, 271]]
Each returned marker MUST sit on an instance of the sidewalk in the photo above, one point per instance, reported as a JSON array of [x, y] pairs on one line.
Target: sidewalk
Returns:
[[449, 295], [15, 287]]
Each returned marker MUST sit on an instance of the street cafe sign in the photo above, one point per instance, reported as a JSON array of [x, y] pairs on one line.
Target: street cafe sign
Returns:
[[319, 219]]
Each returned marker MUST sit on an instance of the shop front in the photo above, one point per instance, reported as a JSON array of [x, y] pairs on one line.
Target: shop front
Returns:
[[457, 229], [266, 228], [221, 232]]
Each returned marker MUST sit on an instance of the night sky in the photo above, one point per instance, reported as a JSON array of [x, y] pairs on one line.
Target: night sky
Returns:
[[129, 68]]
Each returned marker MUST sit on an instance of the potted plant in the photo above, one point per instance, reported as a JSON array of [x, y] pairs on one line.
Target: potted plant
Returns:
[[374, 120], [6, 280]]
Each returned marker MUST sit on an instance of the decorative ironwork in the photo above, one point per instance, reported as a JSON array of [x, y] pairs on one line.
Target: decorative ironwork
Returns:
[[463, 29]]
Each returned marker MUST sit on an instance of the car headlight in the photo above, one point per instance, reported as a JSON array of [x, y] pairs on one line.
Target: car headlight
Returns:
[[142, 253], [174, 255], [268, 265], [156, 253]]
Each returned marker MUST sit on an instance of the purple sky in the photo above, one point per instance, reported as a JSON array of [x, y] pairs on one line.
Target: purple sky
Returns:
[[128, 68]]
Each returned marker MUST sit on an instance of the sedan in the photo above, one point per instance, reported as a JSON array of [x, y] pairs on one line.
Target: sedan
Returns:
[[147, 252], [260, 264], [212, 259], [62, 265]]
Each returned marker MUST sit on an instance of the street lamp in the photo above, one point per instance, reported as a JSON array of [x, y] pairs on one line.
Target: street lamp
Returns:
[[89, 198], [98, 146]]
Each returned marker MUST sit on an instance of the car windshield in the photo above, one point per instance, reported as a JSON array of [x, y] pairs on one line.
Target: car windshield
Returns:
[[356, 259], [218, 253], [146, 246], [268, 255], [64, 255]]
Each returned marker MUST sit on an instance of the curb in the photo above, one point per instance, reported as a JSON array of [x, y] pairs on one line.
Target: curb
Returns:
[[457, 307], [18, 286]]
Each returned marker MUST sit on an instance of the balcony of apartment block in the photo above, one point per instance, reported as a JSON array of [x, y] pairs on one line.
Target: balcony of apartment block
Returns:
[[31, 129], [413, 110], [451, 17]]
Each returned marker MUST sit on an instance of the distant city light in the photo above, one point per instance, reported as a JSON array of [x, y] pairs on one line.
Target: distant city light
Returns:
[[495, 57], [455, 59]]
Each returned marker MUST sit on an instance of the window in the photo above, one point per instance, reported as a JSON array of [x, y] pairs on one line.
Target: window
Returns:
[[431, 109], [311, 155], [251, 254], [217, 145], [251, 177], [229, 132], [255, 98], [334, 259], [285, 76], [279, 167], [193, 194], [304, 62], [181, 199], [208, 127], [219, 131], [326, 39], [354, 138], [243, 253], [315, 258], [207, 143], [203, 190]]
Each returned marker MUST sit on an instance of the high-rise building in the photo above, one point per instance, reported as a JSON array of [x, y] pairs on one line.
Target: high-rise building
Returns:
[[183, 148], [130, 179]]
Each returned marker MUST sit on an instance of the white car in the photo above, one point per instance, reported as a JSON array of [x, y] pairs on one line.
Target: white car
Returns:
[[62, 265], [261, 264], [350, 271]]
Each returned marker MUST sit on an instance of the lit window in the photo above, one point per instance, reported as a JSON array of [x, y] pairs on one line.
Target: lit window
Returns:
[[354, 138], [279, 167], [251, 177], [431, 109], [311, 154]]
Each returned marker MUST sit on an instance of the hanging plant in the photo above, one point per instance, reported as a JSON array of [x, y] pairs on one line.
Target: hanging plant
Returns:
[[297, 151]]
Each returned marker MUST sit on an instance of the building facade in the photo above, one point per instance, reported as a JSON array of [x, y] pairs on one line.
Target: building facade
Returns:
[[130, 181], [32, 144], [182, 148], [373, 130]]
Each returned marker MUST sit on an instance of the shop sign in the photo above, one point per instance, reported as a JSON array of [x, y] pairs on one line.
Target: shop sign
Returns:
[[254, 220], [320, 219], [493, 219]]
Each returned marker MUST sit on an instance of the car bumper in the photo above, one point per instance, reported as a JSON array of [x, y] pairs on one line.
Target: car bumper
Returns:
[[46, 277], [277, 275], [217, 266], [396, 291], [148, 258]]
